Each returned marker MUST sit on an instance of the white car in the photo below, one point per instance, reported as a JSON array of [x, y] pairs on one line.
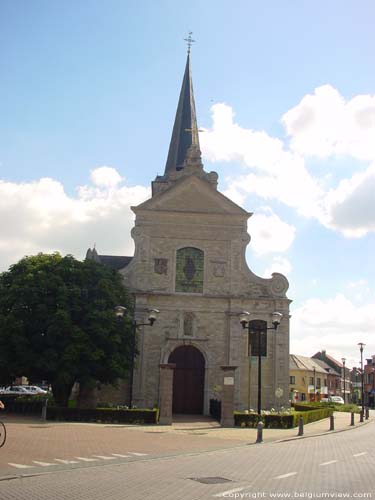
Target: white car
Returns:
[[336, 399], [34, 389], [19, 390]]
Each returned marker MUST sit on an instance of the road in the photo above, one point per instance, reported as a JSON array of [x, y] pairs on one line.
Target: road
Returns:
[[339, 465]]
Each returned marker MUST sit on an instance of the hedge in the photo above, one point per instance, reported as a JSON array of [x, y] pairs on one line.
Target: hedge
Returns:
[[107, 415], [275, 421], [312, 415], [23, 407]]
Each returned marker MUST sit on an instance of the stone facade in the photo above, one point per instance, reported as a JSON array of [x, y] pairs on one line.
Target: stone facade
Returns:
[[191, 213], [189, 263]]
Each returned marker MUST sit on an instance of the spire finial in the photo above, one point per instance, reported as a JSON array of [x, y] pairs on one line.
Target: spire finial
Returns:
[[189, 41]]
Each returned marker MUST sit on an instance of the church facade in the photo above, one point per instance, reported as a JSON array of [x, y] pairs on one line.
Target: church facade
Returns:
[[189, 263]]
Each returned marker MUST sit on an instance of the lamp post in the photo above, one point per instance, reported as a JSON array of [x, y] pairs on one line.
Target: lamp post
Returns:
[[361, 344], [314, 371], [343, 364], [256, 330], [121, 312]]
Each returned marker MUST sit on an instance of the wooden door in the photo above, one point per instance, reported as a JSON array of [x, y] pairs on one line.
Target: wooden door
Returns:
[[188, 380]]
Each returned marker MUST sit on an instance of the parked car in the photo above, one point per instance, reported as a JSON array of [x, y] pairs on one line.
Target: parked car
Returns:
[[336, 399], [35, 389], [18, 390]]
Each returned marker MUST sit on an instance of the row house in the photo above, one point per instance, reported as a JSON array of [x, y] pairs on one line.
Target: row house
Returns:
[[308, 379], [339, 375]]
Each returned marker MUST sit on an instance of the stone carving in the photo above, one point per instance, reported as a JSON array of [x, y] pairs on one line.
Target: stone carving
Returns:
[[188, 324], [218, 269], [279, 284], [161, 266]]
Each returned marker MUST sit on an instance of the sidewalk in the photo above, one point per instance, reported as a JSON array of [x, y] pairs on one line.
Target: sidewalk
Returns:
[[211, 428]]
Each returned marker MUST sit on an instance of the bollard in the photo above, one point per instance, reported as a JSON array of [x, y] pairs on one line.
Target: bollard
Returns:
[[300, 426], [260, 432], [44, 410], [352, 418], [361, 416], [367, 412], [331, 423]]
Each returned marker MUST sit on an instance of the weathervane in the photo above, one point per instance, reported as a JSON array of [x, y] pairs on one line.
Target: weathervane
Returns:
[[189, 41]]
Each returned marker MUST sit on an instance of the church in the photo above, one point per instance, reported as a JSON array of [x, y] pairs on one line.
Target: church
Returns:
[[189, 264]]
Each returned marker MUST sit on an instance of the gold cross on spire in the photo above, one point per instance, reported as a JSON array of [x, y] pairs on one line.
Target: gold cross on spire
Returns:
[[189, 41]]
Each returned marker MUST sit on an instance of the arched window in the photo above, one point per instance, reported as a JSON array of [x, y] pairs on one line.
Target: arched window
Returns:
[[258, 337], [189, 270]]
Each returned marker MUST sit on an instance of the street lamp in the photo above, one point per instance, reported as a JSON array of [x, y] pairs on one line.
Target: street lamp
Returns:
[[343, 364], [255, 329], [361, 344], [121, 312], [314, 371]]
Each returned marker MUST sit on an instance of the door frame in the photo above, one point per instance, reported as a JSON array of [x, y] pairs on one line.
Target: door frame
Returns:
[[170, 347]]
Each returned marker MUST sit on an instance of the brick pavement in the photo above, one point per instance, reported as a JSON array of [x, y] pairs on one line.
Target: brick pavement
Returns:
[[30, 440], [338, 463]]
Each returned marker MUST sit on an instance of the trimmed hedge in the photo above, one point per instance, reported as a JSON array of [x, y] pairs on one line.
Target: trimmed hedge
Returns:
[[275, 421], [105, 415], [272, 421], [309, 406], [23, 407]]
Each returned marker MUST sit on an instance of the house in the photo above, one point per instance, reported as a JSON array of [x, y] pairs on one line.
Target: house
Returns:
[[307, 379], [340, 386]]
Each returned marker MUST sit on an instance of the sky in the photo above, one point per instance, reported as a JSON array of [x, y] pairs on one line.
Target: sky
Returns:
[[285, 98]]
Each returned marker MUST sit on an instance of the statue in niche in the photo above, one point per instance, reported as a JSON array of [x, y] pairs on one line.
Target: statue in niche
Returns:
[[161, 266], [188, 324]]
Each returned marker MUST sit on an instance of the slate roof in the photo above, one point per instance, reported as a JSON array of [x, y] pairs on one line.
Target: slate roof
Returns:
[[185, 129], [332, 361], [116, 262]]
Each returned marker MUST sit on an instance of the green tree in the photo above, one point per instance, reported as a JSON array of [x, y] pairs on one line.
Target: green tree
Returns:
[[57, 323]]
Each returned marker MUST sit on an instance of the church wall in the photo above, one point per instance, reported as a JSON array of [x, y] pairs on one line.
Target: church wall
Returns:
[[218, 334]]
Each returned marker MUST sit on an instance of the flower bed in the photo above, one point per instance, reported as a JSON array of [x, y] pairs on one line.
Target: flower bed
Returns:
[[280, 421]]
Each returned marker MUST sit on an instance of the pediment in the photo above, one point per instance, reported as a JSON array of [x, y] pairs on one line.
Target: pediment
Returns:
[[192, 194]]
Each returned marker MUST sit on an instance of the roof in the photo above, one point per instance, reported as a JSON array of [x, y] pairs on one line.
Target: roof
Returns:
[[297, 362], [185, 129], [116, 262], [327, 367], [324, 356]]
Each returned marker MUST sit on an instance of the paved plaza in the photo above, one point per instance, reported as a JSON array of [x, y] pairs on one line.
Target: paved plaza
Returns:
[[191, 460], [33, 446]]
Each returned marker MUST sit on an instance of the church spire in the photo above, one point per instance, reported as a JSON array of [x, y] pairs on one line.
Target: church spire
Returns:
[[185, 130]]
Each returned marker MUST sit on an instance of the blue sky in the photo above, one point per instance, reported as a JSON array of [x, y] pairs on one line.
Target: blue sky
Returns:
[[285, 94]]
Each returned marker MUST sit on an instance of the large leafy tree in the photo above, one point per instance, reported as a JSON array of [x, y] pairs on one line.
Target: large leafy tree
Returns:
[[57, 323]]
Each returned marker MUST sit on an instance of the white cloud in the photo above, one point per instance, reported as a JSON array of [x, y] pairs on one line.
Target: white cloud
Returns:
[[40, 217], [336, 325], [325, 124], [278, 173], [269, 234], [350, 207], [105, 177], [278, 265]]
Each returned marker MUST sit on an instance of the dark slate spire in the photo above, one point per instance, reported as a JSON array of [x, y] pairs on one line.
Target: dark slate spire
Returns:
[[185, 130]]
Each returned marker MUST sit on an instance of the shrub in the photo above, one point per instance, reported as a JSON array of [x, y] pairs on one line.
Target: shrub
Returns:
[[280, 421]]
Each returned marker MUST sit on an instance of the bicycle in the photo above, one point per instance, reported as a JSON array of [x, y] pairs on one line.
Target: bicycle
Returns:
[[3, 434]]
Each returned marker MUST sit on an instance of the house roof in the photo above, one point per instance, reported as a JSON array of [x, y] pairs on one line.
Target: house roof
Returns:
[[322, 355], [297, 362]]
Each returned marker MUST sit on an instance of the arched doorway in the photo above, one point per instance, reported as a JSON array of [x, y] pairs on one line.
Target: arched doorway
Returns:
[[188, 380]]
